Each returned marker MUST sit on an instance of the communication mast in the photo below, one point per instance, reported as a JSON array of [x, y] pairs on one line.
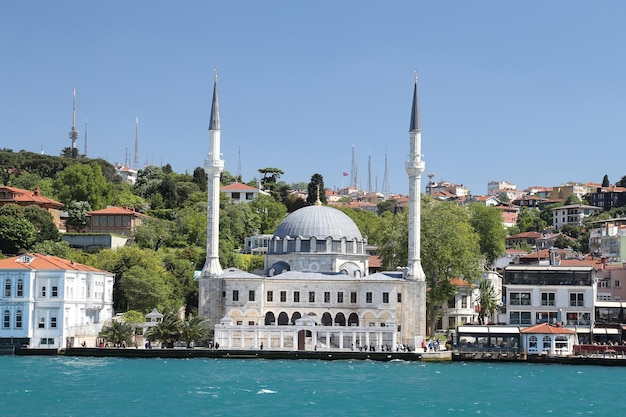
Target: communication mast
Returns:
[[136, 162], [385, 190], [73, 131]]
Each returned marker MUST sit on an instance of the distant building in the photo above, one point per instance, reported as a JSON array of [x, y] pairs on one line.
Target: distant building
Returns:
[[50, 302], [457, 190], [12, 195], [572, 214], [607, 198], [525, 238], [116, 220], [561, 192], [241, 193], [608, 240], [498, 187], [256, 245], [127, 173]]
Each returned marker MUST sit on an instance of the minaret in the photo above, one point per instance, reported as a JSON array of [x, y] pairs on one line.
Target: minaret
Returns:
[[415, 168], [136, 162], [73, 132], [213, 166]]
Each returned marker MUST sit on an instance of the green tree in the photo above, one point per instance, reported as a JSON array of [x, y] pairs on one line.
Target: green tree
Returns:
[[49, 247], [392, 238], [605, 181], [144, 289], [43, 222], [269, 211], [194, 330], [316, 190], [148, 181], [529, 220], [200, 178], [169, 192], [572, 199], [487, 222], [16, 234], [167, 331], [386, 206], [487, 300], [83, 182], [117, 333], [77, 218], [450, 249]]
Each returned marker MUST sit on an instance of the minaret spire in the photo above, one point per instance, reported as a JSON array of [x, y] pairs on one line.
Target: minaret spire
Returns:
[[415, 168], [73, 131], [213, 166]]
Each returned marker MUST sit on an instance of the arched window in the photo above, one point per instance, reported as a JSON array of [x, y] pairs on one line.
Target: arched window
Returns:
[[340, 319], [283, 319], [7, 288], [18, 319], [547, 343], [353, 319], [269, 318], [6, 322], [327, 319], [532, 343], [295, 316], [20, 288]]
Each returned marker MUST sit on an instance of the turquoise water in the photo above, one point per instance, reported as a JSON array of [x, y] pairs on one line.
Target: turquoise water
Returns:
[[59, 386]]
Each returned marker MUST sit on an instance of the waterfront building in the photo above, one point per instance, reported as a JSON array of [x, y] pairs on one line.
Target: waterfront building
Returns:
[[572, 214], [548, 339], [316, 291], [549, 294], [50, 302]]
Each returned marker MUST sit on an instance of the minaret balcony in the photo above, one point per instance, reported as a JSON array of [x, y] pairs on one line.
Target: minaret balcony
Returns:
[[415, 168]]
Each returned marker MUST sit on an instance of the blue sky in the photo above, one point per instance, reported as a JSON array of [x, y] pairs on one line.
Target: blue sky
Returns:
[[530, 92]]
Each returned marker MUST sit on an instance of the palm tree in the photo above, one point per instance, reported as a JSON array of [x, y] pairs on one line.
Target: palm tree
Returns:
[[168, 331], [118, 333], [487, 300], [194, 329]]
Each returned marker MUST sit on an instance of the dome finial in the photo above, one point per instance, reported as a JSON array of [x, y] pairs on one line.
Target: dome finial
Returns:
[[317, 200], [415, 71]]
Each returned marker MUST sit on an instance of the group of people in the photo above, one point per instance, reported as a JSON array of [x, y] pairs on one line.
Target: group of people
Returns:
[[433, 345]]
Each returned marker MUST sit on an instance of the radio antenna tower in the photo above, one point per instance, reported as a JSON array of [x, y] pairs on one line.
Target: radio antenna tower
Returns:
[[127, 158], [239, 177], [353, 170], [369, 172], [136, 162], [386, 179], [85, 138], [73, 132]]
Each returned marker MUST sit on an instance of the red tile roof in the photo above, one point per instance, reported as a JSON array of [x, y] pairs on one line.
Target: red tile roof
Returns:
[[32, 197], [545, 328], [44, 262], [117, 210], [237, 186]]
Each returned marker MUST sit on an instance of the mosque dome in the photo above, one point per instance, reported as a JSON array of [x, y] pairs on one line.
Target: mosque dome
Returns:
[[320, 222]]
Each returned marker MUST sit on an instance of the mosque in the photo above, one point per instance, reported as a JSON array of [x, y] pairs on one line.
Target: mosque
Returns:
[[315, 292]]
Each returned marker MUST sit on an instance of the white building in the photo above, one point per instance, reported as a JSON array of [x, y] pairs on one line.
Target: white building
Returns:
[[315, 292], [549, 294], [572, 214], [50, 302], [499, 187], [242, 193]]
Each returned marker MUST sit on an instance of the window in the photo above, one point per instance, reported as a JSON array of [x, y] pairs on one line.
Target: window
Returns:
[[546, 317], [560, 342], [283, 296], [296, 296], [18, 319], [532, 343], [96, 220], [311, 296], [55, 291], [53, 322], [520, 299], [576, 318], [327, 296], [547, 298], [385, 297], [399, 297], [547, 343], [6, 322], [20, 288], [353, 297], [7, 288], [118, 221], [340, 297], [235, 196], [42, 322], [251, 295], [223, 294], [235, 295], [519, 317], [464, 301], [270, 296], [111, 221], [43, 291], [452, 303], [368, 297], [617, 283], [577, 299], [47, 341]]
